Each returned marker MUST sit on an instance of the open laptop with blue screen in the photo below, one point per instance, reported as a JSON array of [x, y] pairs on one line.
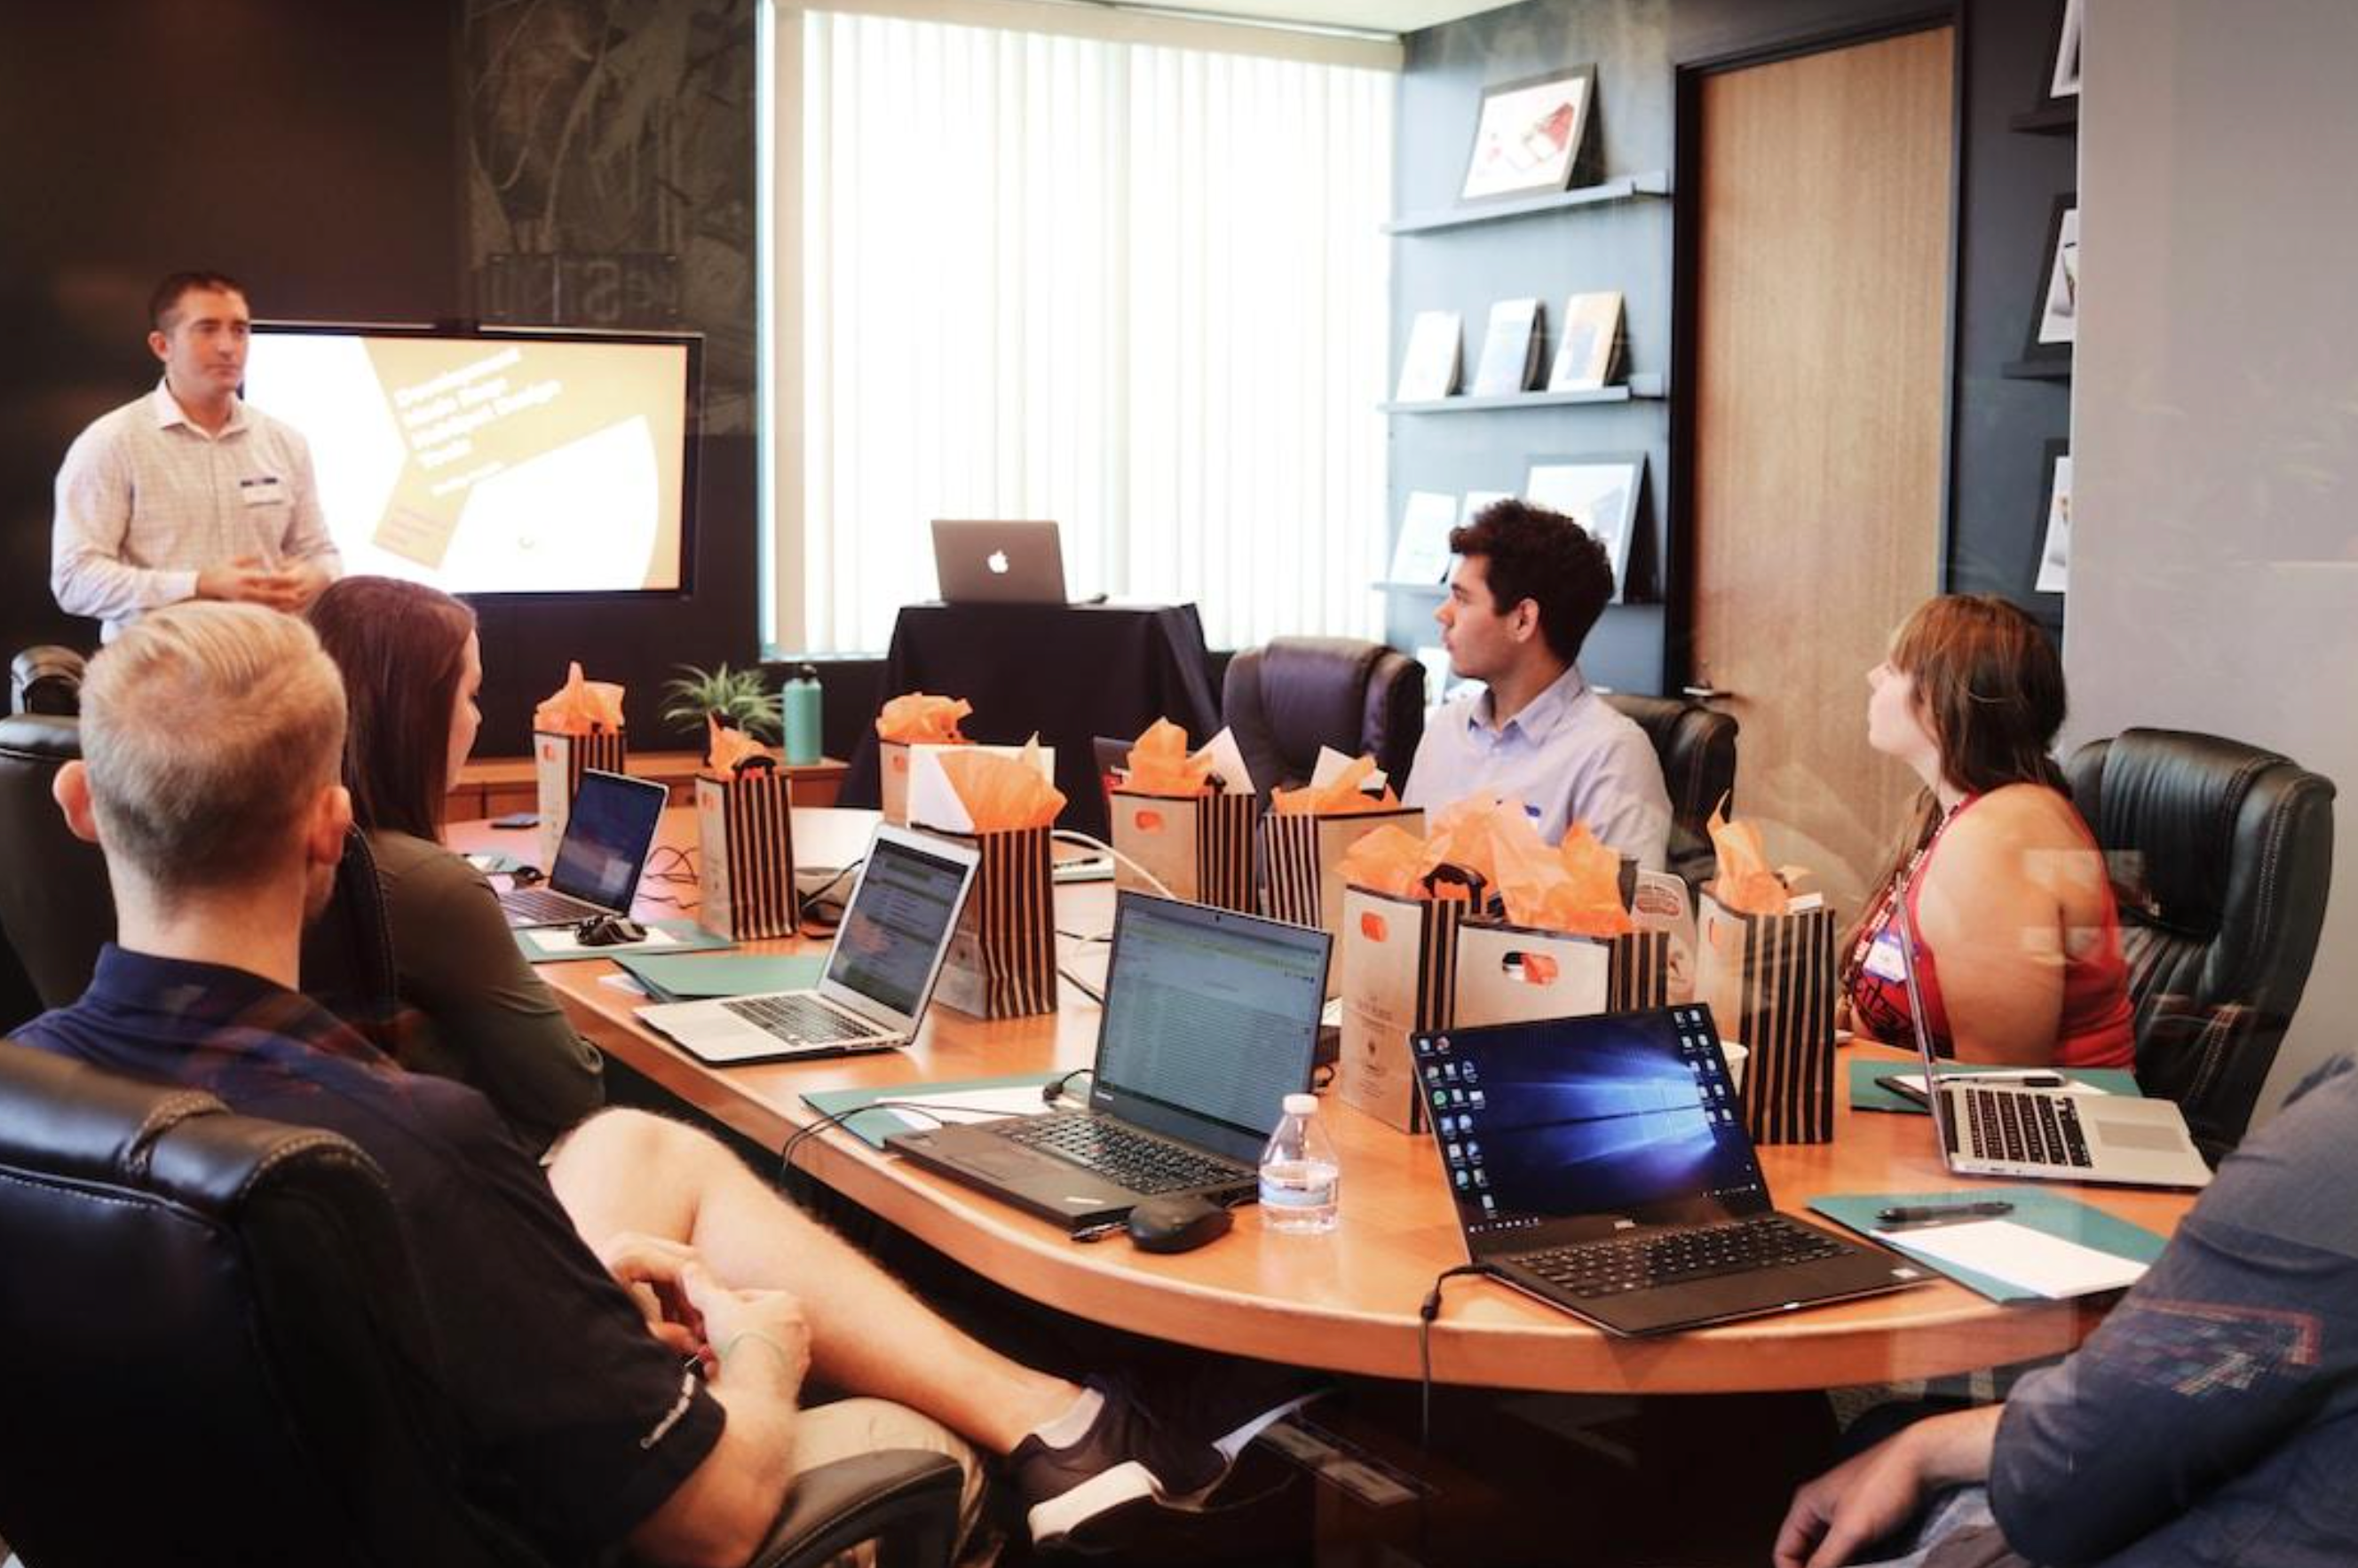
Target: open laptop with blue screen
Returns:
[[1210, 1020], [888, 952], [607, 835], [1601, 1165]]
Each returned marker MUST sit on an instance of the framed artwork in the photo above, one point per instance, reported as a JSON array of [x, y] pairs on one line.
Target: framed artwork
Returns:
[[2055, 321], [1527, 139], [2062, 83], [1602, 495], [2055, 554]]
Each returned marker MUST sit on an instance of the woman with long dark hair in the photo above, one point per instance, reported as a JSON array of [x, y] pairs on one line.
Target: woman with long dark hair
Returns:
[[2016, 936], [472, 1009]]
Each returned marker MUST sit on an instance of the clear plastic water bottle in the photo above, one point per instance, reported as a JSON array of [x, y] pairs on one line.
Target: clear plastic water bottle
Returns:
[[1299, 1178]]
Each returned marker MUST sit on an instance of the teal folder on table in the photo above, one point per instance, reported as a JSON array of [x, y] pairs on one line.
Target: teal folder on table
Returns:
[[1866, 1094], [874, 1126], [2066, 1218], [685, 937], [698, 976]]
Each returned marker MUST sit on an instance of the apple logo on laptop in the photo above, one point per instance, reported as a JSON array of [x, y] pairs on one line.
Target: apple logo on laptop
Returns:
[[997, 562]]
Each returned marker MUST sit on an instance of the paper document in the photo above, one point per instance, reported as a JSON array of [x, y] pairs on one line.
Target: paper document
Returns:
[[560, 939], [1998, 1080], [948, 1107], [2020, 1256]]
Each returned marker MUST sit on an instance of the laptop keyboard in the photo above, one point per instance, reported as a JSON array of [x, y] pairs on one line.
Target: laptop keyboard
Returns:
[[1137, 1161], [2037, 1129], [1616, 1265], [540, 903], [801, 1019]]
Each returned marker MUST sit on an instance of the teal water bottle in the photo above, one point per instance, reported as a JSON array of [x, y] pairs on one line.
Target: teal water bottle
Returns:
[[801, 699]]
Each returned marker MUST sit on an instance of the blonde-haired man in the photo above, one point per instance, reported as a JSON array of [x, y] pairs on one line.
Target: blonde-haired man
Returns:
[[563, 1302]]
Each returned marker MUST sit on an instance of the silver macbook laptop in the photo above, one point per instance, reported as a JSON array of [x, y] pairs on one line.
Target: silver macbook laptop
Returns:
[[1601, 1165], [607, 835], [879, 973], [998, 562], [1210, 1020], [2002, 1129]]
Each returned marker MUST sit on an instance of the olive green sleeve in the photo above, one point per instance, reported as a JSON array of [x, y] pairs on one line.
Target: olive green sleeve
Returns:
[[492, 1018]]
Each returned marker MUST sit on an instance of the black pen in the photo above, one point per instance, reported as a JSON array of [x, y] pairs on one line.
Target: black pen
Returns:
[[1988, 1208]]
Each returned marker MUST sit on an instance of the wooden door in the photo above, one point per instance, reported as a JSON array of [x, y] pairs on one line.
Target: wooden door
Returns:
[[1820, 370]]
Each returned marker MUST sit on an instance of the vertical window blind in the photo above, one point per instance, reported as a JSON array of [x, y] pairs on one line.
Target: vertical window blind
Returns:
[[1136, 288]]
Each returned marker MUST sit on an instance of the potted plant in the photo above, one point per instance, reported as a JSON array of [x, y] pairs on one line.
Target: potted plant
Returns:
[[738, 697]]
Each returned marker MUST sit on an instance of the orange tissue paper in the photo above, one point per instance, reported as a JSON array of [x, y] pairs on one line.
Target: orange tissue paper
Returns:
[[1339, 796], [1390, 860], [726, 748], [1160, 763], [1747, 884], [1003, 794], [580, 706], [916, 719]]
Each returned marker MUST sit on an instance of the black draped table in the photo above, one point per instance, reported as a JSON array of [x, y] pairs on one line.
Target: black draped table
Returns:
[[1071, 672]]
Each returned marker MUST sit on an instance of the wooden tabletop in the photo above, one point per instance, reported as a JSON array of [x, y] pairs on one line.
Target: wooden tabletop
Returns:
[[1347, 1301]]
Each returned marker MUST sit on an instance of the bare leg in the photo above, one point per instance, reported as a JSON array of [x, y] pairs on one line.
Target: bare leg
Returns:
[[627, 1171]]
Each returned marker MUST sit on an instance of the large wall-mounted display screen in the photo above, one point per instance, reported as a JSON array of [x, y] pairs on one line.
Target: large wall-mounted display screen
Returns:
[[497, 462]]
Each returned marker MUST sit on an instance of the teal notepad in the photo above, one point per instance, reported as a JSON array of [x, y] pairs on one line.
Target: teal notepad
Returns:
[[874, 1126], [1866, 1094], [2058, 1216], [492, 863], [686, 936], [670, 976]]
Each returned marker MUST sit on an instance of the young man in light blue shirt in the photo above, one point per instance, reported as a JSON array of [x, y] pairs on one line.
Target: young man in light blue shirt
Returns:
[[1529, 583]]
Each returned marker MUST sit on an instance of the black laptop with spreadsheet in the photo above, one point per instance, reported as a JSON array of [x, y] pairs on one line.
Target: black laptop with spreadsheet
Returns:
[[608, 833], [1601, 1165], [1210, 1020]]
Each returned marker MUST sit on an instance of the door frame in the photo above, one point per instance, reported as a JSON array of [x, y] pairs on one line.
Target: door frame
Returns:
[[1686, 230]]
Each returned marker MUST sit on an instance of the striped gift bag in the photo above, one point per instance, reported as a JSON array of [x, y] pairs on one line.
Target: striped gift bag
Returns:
[[1002, 958], [558, 762], [745, 838], [1769, 982]]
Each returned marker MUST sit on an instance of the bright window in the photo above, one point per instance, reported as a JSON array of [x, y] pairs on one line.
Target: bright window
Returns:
[[1136, 288]]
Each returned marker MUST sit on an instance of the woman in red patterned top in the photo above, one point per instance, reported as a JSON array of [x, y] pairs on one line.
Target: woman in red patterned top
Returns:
[[2016, 938]]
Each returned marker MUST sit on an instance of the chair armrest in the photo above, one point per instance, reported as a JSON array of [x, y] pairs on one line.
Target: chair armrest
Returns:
[[904, 1499]]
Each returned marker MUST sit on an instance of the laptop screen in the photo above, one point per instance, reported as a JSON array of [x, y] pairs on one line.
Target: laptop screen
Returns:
[[606, 838], [1211, 1019], [898, 917], [1623, 1116]]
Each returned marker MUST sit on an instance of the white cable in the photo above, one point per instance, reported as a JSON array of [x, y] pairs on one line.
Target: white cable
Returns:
[[1068, 836]]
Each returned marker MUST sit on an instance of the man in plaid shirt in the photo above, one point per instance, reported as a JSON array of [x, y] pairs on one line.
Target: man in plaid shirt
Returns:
[[187, 492]]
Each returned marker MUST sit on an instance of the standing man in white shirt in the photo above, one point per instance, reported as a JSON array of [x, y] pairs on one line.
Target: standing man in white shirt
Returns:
[[187, 492], [1529, 586]]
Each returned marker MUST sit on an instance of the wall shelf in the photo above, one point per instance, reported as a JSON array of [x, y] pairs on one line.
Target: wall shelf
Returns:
[[2038, 370], [2056, 120], [1646, 388], [1434, 589], [1655, 183]]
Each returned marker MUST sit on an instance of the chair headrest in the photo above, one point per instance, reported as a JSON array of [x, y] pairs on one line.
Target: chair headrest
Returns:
[[2177, 799], [45, 679], [78, 1121], [41, 738], [1315, 685]]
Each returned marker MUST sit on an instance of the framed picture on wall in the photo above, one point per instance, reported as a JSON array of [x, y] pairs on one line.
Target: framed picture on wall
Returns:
[[1602, 495], [1527, 138], [2063, 62], [2055, 319], [2055, 554]]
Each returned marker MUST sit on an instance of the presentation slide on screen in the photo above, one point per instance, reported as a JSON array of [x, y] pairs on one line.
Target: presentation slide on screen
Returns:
[[488, 466]]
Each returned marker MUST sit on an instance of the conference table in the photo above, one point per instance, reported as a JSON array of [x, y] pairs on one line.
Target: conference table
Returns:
[[1347, 1301]]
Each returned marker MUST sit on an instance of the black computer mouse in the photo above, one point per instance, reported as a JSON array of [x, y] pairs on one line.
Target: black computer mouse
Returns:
[[609, 931], [1177, 1224]]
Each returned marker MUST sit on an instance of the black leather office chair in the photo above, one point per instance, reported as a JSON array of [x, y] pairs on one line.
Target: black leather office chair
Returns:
[[46, 679], [57, 908], [1284, 700], [1697, 748], [2220, 855], [211, 1351]]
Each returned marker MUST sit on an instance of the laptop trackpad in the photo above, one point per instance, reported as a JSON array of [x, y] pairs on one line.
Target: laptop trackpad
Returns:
[[2159, 1138]]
